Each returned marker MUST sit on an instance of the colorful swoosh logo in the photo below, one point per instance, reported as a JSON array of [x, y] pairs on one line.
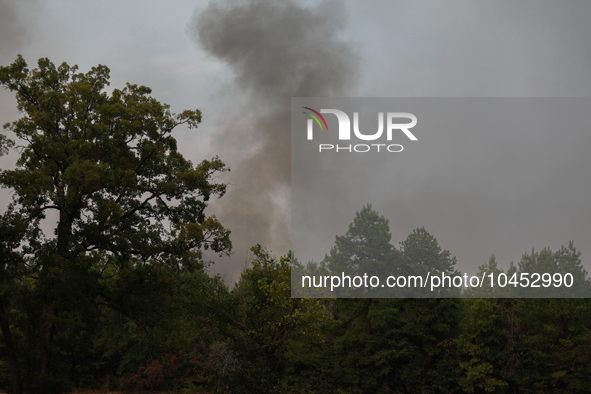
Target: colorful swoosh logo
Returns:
[[316, 118]]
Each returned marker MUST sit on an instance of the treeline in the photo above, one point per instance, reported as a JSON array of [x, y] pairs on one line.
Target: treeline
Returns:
[[419, 268], [189, 332]]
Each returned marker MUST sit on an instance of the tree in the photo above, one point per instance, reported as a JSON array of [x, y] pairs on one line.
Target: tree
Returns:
[[127, 201], [364, 249], [423, 255], [484, 344], [488, 291], [12, 229], [275, 341], [560, 273]]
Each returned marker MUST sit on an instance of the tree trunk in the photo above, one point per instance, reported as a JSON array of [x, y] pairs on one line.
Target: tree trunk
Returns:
[[17, 387], [45, 358], [64, 231]]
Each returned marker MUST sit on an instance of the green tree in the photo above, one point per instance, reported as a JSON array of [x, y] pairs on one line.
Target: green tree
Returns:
[[391, 345], [275, 342], [13, 228], [364, 249], [483, 346], [174, 351], [560, 273], [556, 345], [127, 201], [486, 290], [423, 255]]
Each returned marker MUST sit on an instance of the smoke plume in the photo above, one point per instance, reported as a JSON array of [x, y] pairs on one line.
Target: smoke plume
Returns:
[[277, 50]]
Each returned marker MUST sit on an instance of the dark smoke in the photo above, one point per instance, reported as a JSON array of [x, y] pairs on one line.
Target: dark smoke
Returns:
[[277, 50]]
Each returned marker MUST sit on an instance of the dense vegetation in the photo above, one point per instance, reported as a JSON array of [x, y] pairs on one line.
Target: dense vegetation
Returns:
[[119, 297]]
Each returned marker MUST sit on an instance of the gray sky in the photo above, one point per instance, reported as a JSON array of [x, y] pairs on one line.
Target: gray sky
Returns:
[[262, 54], [486, 175]]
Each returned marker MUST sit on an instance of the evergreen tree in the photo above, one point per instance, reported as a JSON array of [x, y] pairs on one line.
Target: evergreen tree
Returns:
[[423, 256], [365, 249]]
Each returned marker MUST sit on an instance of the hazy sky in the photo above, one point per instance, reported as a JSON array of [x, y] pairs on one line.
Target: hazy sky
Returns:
[[242, 61]]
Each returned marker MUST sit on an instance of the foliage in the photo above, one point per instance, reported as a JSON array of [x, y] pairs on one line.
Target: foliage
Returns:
[[130, 207], [275, 327], [365, 248]]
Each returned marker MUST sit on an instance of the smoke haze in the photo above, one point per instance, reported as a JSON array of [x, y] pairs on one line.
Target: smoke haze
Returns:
[[12, 32], [13, 35], [252, 56], [276, 50]]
